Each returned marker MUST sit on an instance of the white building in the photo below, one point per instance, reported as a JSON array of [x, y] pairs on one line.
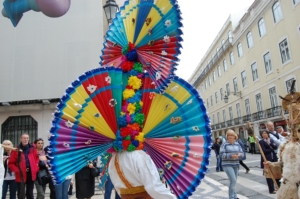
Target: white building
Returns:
[[40, 58]]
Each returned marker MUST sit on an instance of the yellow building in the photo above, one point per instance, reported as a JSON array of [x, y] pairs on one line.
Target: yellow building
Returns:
[[252, 61]]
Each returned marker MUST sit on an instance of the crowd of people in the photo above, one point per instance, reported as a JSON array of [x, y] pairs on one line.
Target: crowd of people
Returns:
[[231, 152]]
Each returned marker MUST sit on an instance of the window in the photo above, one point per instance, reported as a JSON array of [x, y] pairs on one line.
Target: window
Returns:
[[288, 84], [231, 58], [244, 79], [240, 50], [216, 96], [214, 122], [273, 97], [238, 110], [211, 100], [296, 1], [209, 80], [229, 36], [249, 40], [223, 44], [230, 113], [284, 51], [235, 86], [268, 63], [218, 117], [205, 84], [207, 103], [221, 93], [227, 89], [247, 105], [218, 53], [277, 14], [261, 27], [258, 102], [225, 65], [254, 71], [213, 58], [15, 126], [219, 71], [224, 115], [214, 76]]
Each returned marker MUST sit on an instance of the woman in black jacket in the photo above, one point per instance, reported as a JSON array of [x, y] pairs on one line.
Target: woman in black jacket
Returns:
[[268, 146], [216, 147], [9, 176]]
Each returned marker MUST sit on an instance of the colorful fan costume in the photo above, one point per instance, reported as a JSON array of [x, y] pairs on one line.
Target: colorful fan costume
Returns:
[[134, 103]]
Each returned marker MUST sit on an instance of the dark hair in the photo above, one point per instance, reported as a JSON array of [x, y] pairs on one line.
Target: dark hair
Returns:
[[39, 139], [264, 130], [217, 139]]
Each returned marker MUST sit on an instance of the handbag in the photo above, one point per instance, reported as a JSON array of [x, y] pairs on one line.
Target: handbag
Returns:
[[43, 177], [95, 172]]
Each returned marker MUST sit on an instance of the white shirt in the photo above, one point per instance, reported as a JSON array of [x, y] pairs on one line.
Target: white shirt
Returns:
[[277, 141], [139, 169]]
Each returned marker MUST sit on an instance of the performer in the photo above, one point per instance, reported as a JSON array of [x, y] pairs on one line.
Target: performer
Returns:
[[135, 175]]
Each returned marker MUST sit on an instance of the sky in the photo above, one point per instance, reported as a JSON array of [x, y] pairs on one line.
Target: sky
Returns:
[[202, 21]]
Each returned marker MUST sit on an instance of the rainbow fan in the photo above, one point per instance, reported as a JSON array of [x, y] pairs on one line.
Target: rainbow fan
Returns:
[[173, 127], [151, 31]]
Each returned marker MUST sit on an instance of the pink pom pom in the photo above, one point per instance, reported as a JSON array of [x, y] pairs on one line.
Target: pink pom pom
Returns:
[[54, 8]]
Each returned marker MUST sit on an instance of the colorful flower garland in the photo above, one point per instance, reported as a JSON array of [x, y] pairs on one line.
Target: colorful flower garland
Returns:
[[131, 119]]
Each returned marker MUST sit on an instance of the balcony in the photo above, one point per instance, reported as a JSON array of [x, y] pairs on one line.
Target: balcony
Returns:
[[268, 113], [214, 60]]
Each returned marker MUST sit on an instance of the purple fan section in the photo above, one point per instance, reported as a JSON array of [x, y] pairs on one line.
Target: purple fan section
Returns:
[[77, 137], [184, 179]]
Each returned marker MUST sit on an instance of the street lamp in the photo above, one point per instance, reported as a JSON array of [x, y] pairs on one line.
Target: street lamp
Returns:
[[110, 8], [238, 94]]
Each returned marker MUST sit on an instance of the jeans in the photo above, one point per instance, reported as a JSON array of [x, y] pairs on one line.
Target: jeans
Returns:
[[232, 173], [12, 189], [40, 190], [219, 164], [62, 189], [108, 188]]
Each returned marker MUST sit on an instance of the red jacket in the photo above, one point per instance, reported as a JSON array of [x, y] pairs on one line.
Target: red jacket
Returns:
[[33, 160]]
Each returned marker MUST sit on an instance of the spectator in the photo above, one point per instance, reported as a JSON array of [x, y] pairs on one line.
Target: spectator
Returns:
[[51, 185], [108, 189], [244, 157], [231, 152], [216, 147], [276, 137], [251, 140], [85, 182], [268, 146], [61, 190], [25, 166], [280, 130], [9, 176]]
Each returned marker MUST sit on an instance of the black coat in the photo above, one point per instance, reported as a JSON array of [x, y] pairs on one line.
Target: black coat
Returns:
[[85, 182], [268, 150]]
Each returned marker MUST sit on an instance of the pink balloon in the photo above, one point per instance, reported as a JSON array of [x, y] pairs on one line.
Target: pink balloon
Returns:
[[54, 8]]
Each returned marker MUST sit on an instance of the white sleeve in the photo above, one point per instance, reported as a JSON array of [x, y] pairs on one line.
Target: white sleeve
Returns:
[[149, 176], [281, 138], [277, 141]]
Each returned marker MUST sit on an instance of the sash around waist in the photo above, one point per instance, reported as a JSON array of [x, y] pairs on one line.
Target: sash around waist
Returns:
[[132, 190]]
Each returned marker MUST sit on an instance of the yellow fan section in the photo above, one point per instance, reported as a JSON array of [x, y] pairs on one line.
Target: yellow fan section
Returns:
[[130, 13], [87, 119], [162, 106]]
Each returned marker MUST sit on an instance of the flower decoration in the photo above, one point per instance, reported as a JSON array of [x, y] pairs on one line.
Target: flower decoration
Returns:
[[168, 165], [190, 101], [88, 142], [134, 82], [175, 120], [196, 155], [131, 108], [164, 53], [77, 105], [195, 128], [152, 95], [167, 39], [151, 42], [67, 145], [150, 31], [128, 93], [176, 137], [148, 21], [91, 88], [69, 124], [108, 79], [158, 75], [112, 102], [168, 23], [133, 20], [174, 89], [97, 115]]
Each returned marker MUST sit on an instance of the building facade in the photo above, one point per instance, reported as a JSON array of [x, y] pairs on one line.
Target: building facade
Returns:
[[251, 63], [40, 58]]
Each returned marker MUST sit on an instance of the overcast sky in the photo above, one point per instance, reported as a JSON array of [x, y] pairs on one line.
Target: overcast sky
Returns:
[[202, 20]]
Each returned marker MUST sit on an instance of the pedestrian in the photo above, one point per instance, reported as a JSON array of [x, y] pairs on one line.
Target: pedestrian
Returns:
[[9, 176], [276, 137], [51, 184], [216, 147], [280, 130], [25, 166], [62, 189], [108, 189], [251, 140], [137, 169], [268, 146], [244, 157], [85, 181], [231, 152]]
